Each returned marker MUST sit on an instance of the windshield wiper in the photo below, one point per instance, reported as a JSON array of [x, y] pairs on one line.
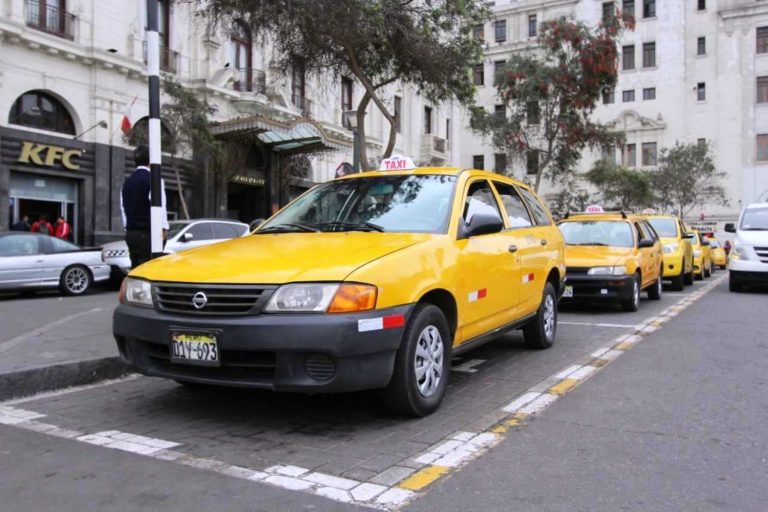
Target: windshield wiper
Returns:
[[287, 227], [755, 229], [353, 225]]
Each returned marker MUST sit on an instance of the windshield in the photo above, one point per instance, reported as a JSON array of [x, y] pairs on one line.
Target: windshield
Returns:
[[714, 243], [608, 233], [664, 227], [175, 227], [755, 219], [411, 204]]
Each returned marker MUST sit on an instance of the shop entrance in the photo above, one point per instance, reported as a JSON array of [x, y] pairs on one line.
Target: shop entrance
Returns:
[[244, 202], [35, 196]]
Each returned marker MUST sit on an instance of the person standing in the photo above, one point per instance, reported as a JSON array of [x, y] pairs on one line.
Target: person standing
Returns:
[[42, 226], [135, 205], [22, 225], [63, 229]]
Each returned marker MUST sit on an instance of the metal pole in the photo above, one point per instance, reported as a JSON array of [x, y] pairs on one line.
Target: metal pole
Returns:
[[355, 151], [155, 155]]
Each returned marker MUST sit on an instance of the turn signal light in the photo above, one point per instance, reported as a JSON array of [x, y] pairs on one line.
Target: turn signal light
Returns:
[[353, 297]]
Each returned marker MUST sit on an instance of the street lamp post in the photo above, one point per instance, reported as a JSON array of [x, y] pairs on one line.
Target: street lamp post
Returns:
[[350, 119]]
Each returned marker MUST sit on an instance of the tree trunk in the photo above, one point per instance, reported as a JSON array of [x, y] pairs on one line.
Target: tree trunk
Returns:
[[361, 108], [183, 202]]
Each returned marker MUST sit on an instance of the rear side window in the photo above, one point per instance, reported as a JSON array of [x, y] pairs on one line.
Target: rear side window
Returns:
[[18, 245], [538, 209], [59, 245], [517, 213], [480, 199], [201, 231], [222, 230]]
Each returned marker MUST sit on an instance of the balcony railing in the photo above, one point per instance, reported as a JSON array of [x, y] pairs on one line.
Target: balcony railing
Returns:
[[438, 144], [303, 104], [251, 80], [169, 59], [49, 18]]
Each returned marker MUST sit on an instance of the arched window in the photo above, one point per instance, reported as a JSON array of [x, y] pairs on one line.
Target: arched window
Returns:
[[38, 109], [140, 135], [242, 45]]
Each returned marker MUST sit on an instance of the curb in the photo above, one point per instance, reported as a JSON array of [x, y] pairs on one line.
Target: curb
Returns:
[[48, 378]]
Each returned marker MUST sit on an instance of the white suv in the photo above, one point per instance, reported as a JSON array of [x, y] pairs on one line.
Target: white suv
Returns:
[[182, 235], [748, 261]]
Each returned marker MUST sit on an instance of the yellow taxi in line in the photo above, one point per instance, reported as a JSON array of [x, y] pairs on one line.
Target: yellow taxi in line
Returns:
[[678, 253], [373, 280], [702, 256], [719, 257], [611, 256]]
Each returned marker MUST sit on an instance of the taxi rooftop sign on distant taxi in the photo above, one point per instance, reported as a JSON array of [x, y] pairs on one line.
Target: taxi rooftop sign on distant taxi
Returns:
[[594, 208], [397, 163]]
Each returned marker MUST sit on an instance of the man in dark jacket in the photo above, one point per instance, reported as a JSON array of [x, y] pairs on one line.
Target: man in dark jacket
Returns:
[[135, 203], [22, 225]]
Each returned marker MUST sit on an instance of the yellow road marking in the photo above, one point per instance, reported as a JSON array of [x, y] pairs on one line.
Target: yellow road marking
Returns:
[[624, 346], [423, 478], [563, 386]]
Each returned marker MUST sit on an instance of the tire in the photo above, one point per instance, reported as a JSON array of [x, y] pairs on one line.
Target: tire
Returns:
[[699, 277], [75, 280], [540, 332], [722, 267], [678, 282], [688, 278], [633, 304], [734, 285], [654, 291], [426, 345]]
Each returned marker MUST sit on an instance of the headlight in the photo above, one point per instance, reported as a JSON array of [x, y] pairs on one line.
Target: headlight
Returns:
[[697, 253], [322, 297], [739, 252], [670, 248], [607, 271], [136, 291]]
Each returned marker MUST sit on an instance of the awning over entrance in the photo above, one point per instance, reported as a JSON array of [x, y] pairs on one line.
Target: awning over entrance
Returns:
[[302, 136]]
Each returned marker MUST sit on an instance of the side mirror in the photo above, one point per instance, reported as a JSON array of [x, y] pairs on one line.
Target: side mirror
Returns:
[[704, 241], [644, 243], [689, 235], [186, 237], [730, 227], [484, 224]]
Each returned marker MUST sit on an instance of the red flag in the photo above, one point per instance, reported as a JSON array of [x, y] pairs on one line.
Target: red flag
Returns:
[[125, 124]]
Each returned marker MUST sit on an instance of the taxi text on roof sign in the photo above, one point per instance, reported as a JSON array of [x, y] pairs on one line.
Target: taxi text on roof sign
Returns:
[[594, 208], [397, 163]]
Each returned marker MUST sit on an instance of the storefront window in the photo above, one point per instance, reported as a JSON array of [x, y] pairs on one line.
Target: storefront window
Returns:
[[38, 109]]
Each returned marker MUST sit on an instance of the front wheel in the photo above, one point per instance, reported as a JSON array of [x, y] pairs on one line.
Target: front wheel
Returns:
[[633, 303], [678, 282], [654, 292], [422, 364], [540, 332], [75, 280]]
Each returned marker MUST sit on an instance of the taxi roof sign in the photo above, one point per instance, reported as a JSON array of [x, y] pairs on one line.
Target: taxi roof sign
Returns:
[[594, 208], [648, 211], [397, 163]]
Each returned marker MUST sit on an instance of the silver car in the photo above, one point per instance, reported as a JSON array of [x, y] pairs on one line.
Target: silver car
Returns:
[[31, 261], [182, 235]]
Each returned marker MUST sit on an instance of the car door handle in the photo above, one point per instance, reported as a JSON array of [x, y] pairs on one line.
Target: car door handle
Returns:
[[543, 241], [512, 248]]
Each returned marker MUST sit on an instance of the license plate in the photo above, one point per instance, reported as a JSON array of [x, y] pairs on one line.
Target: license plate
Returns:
[[568, 292], [195, 347]]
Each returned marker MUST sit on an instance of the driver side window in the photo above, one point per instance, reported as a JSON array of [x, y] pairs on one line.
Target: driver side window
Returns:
[[480, 200]]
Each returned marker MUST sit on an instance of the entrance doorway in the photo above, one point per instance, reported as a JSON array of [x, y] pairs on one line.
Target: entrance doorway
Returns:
[[244, 202], [42, 195]]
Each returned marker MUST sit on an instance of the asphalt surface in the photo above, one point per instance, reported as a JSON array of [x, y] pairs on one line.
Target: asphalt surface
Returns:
[[679, 423], [676, 423]]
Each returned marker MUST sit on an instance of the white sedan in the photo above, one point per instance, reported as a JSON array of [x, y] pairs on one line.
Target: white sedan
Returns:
[[31, 261], [182, 235]]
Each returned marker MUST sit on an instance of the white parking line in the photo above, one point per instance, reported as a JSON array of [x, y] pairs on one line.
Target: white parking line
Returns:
[[6, 345], [593, 324]]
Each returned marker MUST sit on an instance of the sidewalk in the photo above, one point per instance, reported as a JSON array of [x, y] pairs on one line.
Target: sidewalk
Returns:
[[49, 342]]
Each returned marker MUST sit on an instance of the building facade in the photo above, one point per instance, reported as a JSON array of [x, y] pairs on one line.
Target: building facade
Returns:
[[70, 70], [691, 70]]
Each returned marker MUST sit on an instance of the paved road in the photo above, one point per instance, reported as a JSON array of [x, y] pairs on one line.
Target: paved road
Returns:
[[623, 436]]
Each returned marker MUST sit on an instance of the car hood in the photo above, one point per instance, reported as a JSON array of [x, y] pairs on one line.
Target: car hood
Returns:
[[278, 258], [758, 238], [595, 256]]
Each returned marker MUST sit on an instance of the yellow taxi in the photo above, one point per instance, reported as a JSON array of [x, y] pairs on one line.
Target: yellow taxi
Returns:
[[373, 280], [719, 257], [702, 256], [611, 256], [676, 242]]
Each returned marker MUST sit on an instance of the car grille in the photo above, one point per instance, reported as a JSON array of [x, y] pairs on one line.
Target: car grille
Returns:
[[576, 271], [220, 299], [762, 253]]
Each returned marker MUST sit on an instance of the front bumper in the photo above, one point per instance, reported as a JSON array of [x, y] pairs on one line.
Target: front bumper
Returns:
[[673, 265], [601, 287], [748, 271], [281, 352]]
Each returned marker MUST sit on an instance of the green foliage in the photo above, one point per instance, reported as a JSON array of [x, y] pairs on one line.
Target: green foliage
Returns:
[[571, 197], [687, 177], [376, 41], [621, 188], [551, 92]]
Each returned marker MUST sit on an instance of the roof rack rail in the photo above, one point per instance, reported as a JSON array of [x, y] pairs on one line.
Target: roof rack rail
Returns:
[[622, 212]]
